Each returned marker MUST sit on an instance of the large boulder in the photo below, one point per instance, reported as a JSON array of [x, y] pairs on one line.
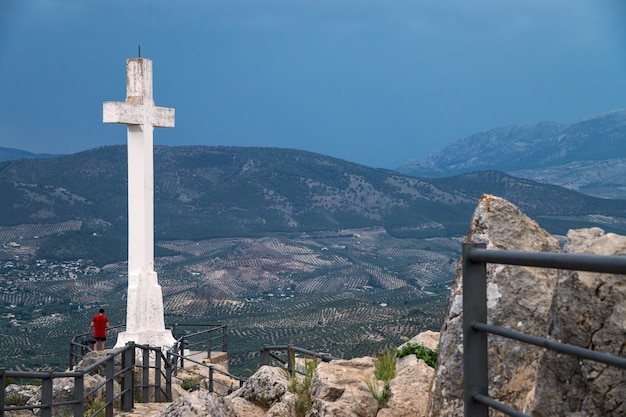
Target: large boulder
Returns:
[[409, 389], [519, 298], [267, 386], [589, 310], [339, 388], [18, 395], [199, 403], [264, 394], [428, 338]]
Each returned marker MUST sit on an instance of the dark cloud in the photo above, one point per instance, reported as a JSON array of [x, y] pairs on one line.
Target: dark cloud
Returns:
[[368, 81]]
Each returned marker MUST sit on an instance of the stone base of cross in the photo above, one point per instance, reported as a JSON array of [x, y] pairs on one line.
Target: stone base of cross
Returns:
[[155, 338], [145, 323]]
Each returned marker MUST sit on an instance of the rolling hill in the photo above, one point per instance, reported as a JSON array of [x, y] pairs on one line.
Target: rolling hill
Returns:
[[216, 192]]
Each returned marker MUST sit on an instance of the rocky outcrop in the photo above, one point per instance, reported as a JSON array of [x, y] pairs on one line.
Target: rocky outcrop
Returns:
[[579, 308], [588, 310], [409, 389], [518, 298], [339, 388]]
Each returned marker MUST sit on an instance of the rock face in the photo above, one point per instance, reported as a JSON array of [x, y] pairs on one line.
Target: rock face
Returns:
[[409, 389], [339, 388], [589, 310], [518, 298]]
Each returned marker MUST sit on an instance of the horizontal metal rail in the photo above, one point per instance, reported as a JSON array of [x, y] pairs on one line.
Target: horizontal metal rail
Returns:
[[210, 371], [568, 261], [47, 405], [497, 405], [268, 352], [202, 340], [601, 357], [475, 328], [323, 356], [81, 344], [125, 357]]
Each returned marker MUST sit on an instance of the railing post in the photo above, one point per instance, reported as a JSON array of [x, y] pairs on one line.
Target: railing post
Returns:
[[210, 379], [168, 376], [128, 389], [172, 358], [225, 338], [46, 396], [291, 361], [145, 380], [182, 352], [209, 347], [110, 384], [264, 356], [475, 363], [79, 393], [157, 375], [3, 384]]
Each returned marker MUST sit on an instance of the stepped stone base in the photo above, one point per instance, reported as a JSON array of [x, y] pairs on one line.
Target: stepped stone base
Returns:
[[156, 338]]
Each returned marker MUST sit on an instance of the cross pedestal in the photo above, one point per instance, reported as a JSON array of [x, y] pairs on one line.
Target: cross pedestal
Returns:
[[145, 322]]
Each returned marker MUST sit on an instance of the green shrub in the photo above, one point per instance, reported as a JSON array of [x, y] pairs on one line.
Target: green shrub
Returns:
[[300, 385], [14, 400], [385, 365], [93, 405], [187, 385], [422, 352], [381, 396], [385, 371]]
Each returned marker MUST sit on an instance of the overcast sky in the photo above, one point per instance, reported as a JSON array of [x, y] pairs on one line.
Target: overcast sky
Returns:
[[369, 81]]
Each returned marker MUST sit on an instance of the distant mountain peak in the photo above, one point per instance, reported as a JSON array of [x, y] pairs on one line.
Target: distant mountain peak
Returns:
[[10, 154], [544, 146]]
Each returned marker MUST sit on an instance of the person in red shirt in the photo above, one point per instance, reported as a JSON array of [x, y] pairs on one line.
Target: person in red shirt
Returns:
[[100, 324]]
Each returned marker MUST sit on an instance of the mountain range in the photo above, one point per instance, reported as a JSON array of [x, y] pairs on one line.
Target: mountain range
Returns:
[[206, 192], [587, 156], [9, 154]]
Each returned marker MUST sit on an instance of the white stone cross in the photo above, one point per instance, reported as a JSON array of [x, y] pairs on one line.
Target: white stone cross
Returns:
[[145, 322]]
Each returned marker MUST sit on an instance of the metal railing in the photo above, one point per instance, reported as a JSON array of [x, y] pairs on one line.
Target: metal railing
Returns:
[[83, 343], [476, 330], [285, 356], [214, 338], [117, 384], [218, 381], [156, 371], [162, 370]]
